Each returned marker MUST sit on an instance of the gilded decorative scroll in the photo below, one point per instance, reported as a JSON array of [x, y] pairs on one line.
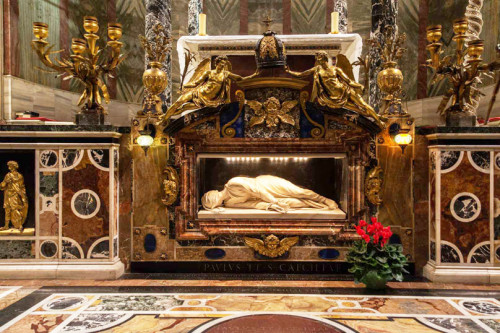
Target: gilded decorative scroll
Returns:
[[319, 130], [373, 185], [171, 185], [227, 130]]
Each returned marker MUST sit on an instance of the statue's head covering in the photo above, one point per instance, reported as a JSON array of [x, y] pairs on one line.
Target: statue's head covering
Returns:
[[212, 199]]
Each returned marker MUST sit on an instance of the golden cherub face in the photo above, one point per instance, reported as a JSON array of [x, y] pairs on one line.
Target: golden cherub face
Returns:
[[272, 242]]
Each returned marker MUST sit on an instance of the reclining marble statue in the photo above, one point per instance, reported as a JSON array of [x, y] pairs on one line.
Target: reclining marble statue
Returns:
[[265, 193]]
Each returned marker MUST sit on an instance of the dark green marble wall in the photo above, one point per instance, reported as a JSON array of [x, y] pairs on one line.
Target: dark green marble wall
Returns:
[[230, 17]]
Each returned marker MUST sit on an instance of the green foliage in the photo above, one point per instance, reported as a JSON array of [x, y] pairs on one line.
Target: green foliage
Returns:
[[388, 261]]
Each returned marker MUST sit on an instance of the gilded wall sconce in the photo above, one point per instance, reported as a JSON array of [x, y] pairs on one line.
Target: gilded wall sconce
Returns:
[[146, 131], [84, 65], [400, 135]]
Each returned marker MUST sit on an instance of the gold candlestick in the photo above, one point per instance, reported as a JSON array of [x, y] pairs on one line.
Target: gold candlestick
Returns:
[[462, 74], [84, 64]]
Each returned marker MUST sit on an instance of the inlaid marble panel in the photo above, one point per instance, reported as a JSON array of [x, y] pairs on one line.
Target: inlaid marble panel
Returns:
[[86, 196], [226, 312], [465, 193]]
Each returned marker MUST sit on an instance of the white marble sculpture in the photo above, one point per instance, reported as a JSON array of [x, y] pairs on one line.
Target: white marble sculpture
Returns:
[[265, 193]]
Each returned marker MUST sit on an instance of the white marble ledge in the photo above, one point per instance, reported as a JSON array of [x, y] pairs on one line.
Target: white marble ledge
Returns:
[[238, 213], [64, 271], [61, 134], [202, 47]]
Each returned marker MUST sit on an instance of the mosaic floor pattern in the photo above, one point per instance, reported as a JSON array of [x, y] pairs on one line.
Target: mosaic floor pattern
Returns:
[[141, 312]]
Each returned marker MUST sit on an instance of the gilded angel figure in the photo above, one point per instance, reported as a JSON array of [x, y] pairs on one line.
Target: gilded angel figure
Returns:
[[207, 88], [335, 89]]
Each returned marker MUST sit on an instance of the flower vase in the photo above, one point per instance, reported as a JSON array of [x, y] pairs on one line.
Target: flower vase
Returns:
[[372, 280]]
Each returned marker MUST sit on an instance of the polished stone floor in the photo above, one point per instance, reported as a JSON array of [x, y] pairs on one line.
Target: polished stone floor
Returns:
[[231, 306]]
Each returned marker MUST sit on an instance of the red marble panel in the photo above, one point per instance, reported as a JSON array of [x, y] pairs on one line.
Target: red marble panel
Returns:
[[11, 36], [85, 176], [49, 225], [287, 17], [243, 17], [273, 323], [465, 178]]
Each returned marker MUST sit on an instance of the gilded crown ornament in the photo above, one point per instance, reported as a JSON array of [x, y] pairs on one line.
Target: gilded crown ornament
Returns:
[[390, 78], [155, 80], [463, 71], [84, 64], [270, 50]]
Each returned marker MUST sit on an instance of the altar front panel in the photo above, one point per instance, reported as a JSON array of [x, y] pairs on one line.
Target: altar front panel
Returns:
[[72, 189]]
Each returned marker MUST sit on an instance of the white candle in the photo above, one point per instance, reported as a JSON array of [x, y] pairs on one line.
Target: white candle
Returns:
[[202, 28], [335, 23]]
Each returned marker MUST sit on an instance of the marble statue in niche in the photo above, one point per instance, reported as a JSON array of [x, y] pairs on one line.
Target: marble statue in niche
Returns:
[[15, 201], [265, 193], [335, 89], [206, 88]]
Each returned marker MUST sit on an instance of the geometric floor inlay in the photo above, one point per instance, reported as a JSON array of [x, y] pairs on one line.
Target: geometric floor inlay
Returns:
[[276, 313]]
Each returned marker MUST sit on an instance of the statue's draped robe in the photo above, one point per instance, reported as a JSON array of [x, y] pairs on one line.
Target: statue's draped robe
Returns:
[[214, 91], [260, 192], [331, 90], [15, 201]]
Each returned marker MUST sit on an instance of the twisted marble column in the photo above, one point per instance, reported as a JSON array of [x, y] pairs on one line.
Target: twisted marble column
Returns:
[[159, 11], [384, 14], [195, 8], [341, 7]]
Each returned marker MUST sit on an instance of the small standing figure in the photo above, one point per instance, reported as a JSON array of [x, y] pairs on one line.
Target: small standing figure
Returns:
[[15, 201], [333, 88]]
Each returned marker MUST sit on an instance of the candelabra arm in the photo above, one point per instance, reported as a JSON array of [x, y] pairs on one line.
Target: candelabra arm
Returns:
[[44, 53]]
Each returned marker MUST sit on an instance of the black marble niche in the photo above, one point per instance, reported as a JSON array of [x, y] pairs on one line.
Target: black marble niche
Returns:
[[26, 161], [323, 175]]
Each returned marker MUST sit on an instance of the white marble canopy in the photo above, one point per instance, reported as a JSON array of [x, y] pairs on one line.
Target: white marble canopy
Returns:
[[206, 46]]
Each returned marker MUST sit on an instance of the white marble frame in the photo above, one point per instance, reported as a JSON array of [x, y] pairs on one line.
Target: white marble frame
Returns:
[[350, 45], [437, 214], [59, 147], [461, 272]]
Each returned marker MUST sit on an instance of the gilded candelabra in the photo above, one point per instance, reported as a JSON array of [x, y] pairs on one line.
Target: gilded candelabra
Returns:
[[155, 80], [84, 64], [462, 72], [390, 78]]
